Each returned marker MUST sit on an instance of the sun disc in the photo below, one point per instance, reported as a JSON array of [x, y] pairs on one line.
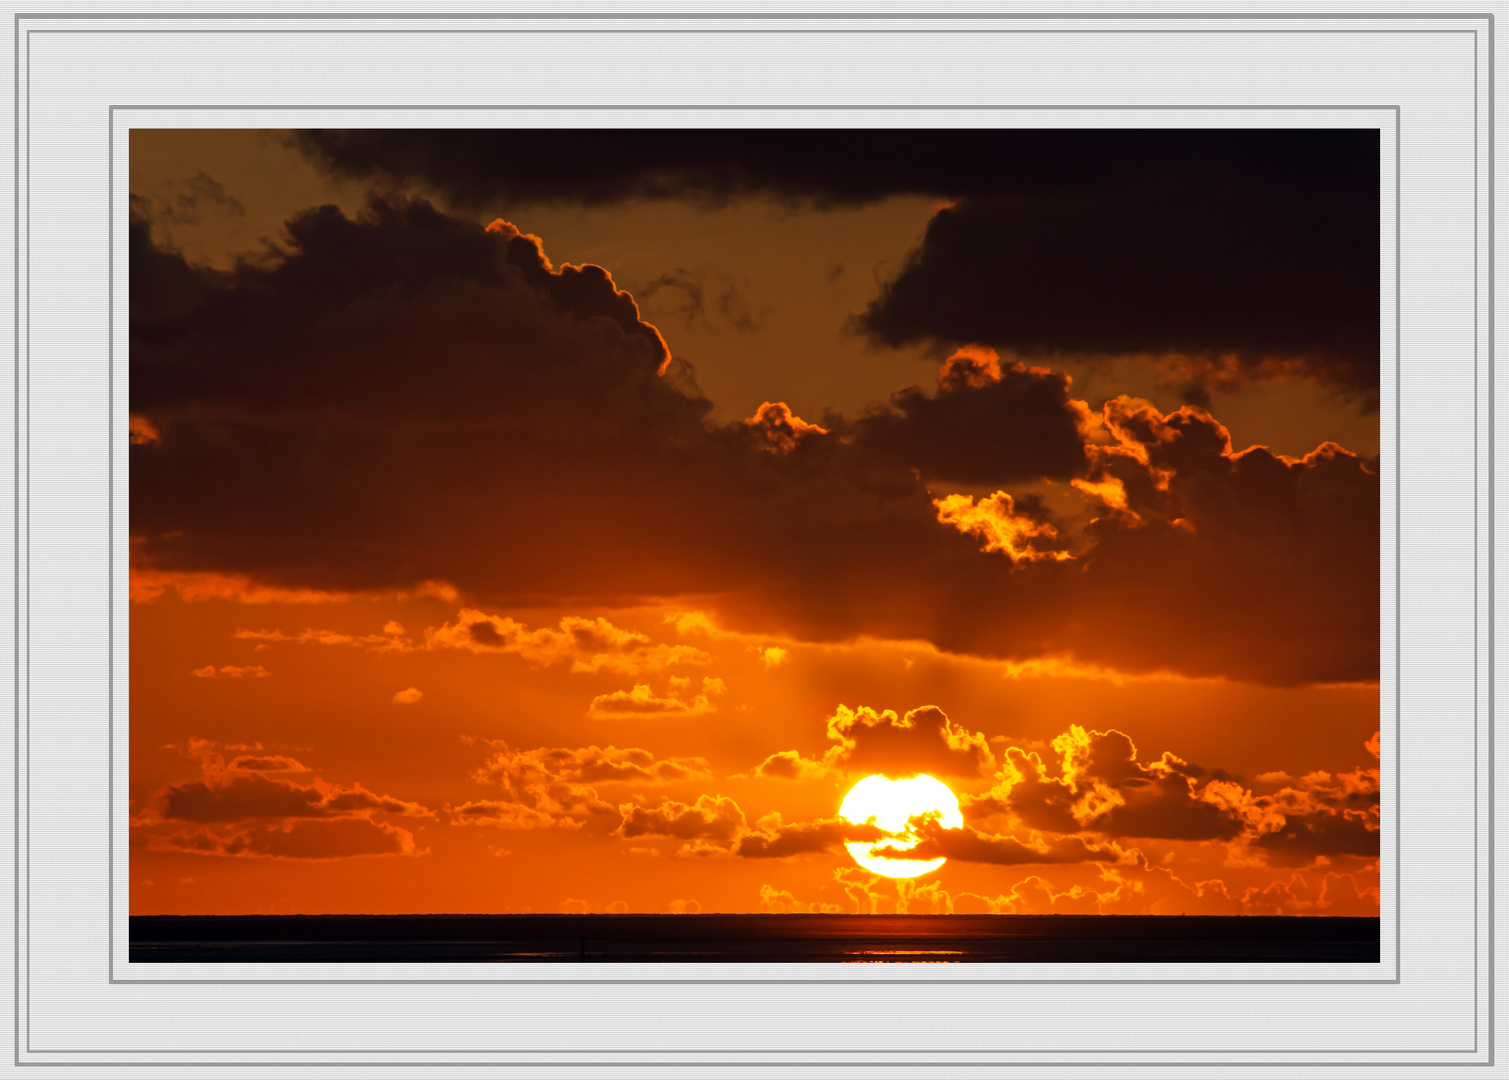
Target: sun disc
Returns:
[[889, 804]]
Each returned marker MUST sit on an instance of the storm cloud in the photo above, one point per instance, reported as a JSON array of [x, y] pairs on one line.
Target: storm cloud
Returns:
[[406, 398]]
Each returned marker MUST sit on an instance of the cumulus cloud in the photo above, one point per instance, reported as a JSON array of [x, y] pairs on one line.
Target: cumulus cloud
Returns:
[[261, 805], [387, 641], [410, 696], [537, 456], [999, 526], [231, 671], [969, 845], [784, 902], [554, 786], [591, 645], [641, 701], [715, 819], [925, 740], [776, 428], [341, 839], [982, 425], [256, 795], [776, 839], [1264, 567], [1095, 784], [716, 825], [790, 765], [1138, 887], [863, 740]]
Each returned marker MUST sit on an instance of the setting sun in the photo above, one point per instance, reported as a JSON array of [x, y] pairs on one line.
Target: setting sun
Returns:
[[891, 804], [528, 528]]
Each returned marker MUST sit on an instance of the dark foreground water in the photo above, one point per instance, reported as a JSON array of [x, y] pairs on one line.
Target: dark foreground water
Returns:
[[752, 938]]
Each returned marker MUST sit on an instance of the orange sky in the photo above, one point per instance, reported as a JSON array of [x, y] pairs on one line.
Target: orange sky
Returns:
[[470, 578]]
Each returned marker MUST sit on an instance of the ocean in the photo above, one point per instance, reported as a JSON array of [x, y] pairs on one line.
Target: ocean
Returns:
[[600, 939]]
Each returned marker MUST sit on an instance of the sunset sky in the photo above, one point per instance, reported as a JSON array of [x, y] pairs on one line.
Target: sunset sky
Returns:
[[536, 521]]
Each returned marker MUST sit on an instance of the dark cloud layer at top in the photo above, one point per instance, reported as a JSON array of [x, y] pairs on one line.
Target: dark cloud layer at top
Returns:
[[1279, 274], [405, 397], [1258, 245], [479, 169]]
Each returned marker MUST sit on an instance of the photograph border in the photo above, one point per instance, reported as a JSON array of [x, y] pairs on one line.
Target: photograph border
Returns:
[[22, 455]]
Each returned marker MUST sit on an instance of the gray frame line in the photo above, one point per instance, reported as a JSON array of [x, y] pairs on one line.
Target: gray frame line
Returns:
[[16, 519], [639, 16], [836, 16], [661, 31], [1491, 653]]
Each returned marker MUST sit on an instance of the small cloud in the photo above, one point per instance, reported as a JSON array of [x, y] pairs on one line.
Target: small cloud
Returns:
[[142, 432], [692, 622], [790, 765], [210, 671], [684, 907], [573, 906], [773, 655], [392, 627], [591, 645], [408, 697], [642, 701], [186, 881]]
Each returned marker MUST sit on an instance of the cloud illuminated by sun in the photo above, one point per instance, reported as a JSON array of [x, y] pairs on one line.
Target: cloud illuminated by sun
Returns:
[[892, 804]]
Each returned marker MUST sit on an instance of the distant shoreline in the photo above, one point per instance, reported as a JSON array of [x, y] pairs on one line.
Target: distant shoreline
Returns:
[[753, 938]]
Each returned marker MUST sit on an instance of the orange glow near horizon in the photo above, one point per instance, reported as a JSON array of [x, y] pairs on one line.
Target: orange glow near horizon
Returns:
[[634, 551]]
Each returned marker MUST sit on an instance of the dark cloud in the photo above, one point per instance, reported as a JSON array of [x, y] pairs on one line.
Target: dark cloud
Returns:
[[240, 798], [1098, 785], [271, 814], [1094, 783], [1258, 244], [1320, 815], [1280, 273], [968, 845], [778, 840], [553, 786], [1300, 839], [1263, 567], [983, 425], [715, 825], [263, 788], [713, 818], [925, 740], [482, 169], [185, 202], [689, 283], [406, 398], [342, 839]]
